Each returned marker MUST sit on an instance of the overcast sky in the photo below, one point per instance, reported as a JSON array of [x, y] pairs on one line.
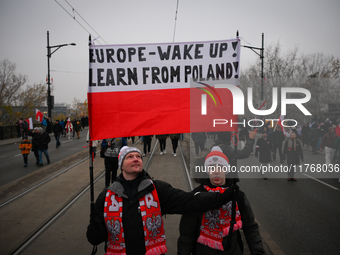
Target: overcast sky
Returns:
[[312, 25]]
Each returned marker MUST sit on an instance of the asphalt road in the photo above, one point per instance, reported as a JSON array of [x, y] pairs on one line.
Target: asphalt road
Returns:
[[11, 160]]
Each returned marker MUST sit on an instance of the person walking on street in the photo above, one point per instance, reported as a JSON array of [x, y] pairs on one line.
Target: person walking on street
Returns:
[[199, 141], [146, 141], [127, 216], [328, 144], [74, 123], [162, 143], [24, 128], [69, 129], [77, 128], [43, 140], [174, 140], [305, 135], [264, 148], [293, 153], [243, 136], [210, 232], [35, 133], [57, 130], [277, 138], [111, 147], [25, 147]]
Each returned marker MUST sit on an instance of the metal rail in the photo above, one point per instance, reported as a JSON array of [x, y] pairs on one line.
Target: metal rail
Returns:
[[43, 182]]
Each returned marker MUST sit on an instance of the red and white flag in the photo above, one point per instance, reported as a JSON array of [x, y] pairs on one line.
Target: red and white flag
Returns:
[[30, 123], [147, 89], [279, 124], [38, 115]]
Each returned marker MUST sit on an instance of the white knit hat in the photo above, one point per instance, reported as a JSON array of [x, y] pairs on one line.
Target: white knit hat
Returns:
[[123, 152], [216, 156]]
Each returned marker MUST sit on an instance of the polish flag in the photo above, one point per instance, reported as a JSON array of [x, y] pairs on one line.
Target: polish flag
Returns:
[[148, 89], [282, 117], [38, 115], [30, 123]]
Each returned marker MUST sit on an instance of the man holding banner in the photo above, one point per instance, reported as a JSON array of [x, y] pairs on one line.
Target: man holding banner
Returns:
[[128, 215]]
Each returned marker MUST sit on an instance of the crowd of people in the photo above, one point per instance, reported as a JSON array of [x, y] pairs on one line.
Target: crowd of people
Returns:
[[41, 136], [127, 215]]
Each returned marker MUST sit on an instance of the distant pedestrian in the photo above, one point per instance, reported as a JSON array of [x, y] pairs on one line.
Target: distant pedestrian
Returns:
[[57, 130], [49, 126], [34, 133], [24, 128], [77, 128], [199, 141], [146, 141], [328, 144], [277, 138], [17, 127], [292, 151], [25, 147], [162, 143], [264, 148], [305, 135], [43, 140], [69, 129], [243, 136], [174, 140], [112, 147]]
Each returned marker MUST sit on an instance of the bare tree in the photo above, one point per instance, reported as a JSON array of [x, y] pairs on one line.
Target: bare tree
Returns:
[[31, 97], [315, 72], [10, 85]]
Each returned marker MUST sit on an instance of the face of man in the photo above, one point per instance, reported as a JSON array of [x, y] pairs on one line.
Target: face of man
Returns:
[[264, 135], [217, 175], [293, 136], [132, 165]]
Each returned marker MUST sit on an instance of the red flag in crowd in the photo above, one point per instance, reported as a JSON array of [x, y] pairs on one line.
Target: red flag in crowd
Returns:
[[38, 115]]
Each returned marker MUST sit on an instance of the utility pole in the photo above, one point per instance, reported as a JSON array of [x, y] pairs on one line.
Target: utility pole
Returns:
[[50, 99], [261, 54]]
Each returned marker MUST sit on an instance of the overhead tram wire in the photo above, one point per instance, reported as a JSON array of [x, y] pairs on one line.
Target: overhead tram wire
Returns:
[[74, 18], [85, 21], [173, 39]]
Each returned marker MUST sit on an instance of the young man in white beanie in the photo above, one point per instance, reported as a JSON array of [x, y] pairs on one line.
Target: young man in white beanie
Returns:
[[128, 215], [217, 231]]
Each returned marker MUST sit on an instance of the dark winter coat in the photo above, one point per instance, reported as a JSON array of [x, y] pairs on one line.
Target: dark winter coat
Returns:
[[277, 138], [243, 134], [329, 140], [42, 141], [264, 148], [57, 128], [34, 139], [313, 137], [305, 134], [161, 137], [190, 231], [171, 201], [293, 156]]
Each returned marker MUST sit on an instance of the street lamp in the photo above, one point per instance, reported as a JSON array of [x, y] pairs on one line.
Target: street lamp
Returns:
[[261, 54], [49, 54]]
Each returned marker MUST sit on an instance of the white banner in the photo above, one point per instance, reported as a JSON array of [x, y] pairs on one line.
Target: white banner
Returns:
[[162, 66]]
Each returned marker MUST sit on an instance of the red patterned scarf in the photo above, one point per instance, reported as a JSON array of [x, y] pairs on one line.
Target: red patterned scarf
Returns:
[[216, 223], [150, 210]]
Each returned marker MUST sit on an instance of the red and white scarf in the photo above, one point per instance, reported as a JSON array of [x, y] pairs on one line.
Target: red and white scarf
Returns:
[[216, 223], [150, 210]]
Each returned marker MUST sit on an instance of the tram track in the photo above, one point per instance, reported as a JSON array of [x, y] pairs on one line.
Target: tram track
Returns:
[[53, 218]]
